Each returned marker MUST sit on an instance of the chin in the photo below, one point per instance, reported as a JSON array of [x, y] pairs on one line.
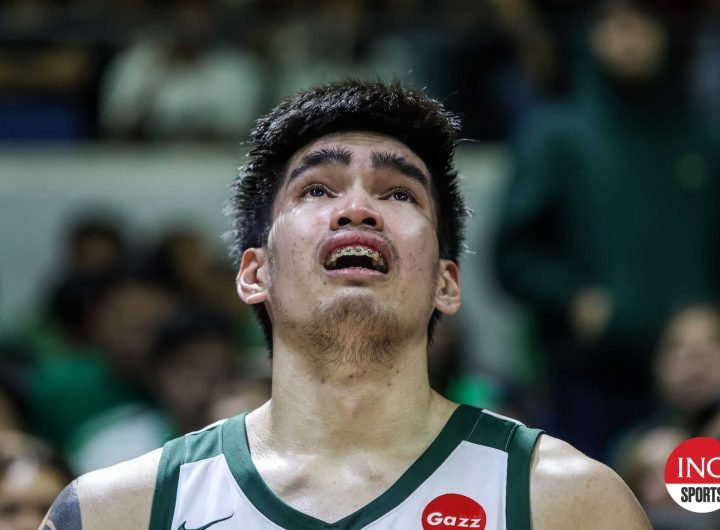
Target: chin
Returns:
[[353, 299]]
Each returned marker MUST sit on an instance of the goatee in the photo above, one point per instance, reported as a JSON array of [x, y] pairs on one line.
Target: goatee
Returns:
[[357, 333]]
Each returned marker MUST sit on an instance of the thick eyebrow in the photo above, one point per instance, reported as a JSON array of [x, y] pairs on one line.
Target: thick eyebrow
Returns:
[[398, 163], [326, 155]]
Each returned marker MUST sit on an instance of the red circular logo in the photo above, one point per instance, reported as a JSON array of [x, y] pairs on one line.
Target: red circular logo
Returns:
[[453, 510], [692, 474]]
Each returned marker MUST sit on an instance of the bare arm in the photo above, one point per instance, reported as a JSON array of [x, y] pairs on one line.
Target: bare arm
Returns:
[[568, 491], [118, 497]]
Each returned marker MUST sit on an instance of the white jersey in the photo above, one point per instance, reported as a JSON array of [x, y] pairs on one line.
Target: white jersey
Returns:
[[475, 474]]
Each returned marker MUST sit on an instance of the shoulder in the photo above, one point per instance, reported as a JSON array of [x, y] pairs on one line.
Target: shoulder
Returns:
[[568, 490], [115, 497]]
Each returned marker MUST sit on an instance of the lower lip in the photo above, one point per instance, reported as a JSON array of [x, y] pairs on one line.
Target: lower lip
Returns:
[[352, 273]]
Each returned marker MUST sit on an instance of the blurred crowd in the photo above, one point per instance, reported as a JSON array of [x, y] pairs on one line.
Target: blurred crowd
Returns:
[[205, 69], [607, 234], [133, 346]]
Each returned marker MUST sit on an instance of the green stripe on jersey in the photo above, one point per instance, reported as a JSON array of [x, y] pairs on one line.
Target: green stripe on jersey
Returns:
[[166, 484], [192, 447], [517, 498], [467, 424], [238, 458]]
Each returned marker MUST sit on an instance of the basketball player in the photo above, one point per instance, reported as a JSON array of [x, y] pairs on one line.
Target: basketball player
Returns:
[[348, 227]]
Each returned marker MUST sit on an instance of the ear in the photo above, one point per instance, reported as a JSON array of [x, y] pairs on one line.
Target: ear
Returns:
[[253, 277], [448, 294]]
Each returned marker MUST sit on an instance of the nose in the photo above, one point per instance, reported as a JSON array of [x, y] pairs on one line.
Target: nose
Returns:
[[357, 212]]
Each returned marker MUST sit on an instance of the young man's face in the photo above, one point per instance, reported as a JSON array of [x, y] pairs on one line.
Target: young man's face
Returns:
[[354, 233]]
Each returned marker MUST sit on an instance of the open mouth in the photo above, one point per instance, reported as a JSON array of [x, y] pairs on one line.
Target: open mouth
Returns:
[[355, 256]]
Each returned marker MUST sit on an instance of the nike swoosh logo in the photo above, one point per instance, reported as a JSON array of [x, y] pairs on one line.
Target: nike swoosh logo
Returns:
[[182, 526]]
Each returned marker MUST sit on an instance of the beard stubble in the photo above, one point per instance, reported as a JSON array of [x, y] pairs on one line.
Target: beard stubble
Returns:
[[354, 332]]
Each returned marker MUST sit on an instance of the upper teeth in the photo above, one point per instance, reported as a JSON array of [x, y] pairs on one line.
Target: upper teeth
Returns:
[[374, 255]]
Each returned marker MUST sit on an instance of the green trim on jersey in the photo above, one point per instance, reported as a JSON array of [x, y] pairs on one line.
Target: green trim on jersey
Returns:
[[521, 446], [519, 442], [192, 447], [492, 430], [466, 424], [236, 449]]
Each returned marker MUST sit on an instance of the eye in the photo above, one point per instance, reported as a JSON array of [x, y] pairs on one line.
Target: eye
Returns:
[[401, 194], [314, 190]]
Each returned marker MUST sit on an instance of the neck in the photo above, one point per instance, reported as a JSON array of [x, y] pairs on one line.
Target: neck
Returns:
[[336, 407]]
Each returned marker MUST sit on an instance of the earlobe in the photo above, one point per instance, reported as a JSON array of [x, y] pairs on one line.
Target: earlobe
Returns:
[[448, 295], [252, 279]]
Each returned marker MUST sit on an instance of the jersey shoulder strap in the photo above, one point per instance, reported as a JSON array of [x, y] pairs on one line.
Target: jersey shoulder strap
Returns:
[[193, 447], [518, 441]]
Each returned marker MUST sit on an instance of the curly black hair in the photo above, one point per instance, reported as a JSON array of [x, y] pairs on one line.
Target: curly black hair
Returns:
[[410, 116]]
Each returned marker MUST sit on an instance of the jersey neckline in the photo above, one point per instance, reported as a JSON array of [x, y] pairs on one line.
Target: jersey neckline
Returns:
[[234, 440]]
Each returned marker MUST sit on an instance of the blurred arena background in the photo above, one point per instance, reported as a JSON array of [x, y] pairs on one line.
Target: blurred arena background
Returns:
[[589, 158]]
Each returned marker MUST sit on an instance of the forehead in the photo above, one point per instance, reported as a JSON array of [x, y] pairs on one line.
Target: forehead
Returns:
[[361, 144]]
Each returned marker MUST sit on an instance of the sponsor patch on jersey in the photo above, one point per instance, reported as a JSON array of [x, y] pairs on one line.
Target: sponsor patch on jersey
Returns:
[[453, 510]]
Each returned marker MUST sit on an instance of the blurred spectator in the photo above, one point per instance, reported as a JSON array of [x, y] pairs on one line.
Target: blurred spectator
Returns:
[[71, 309], [687, 369], [31, 476], [610, 223], [112, 370], [182, 85], [478, 72], [546, 32], [687, 377], [190, 363], [539, 47], [125, 324], [181, 263], [221, 295], [644, 466], [193, 354], [93, 248], [95, 245], [45, 83]]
